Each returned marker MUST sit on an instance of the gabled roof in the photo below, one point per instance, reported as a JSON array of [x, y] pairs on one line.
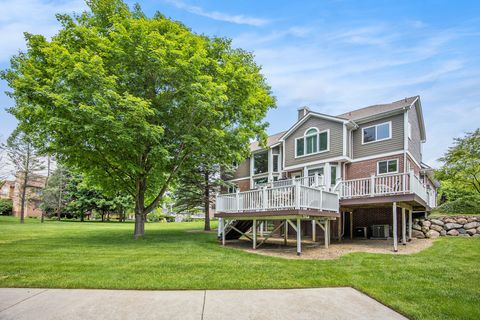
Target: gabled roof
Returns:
[[308, 116], [271, 140], [378, 108]]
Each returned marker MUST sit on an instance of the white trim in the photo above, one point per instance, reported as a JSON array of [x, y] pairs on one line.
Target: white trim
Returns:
[[304, 137], [380, 155], [299, 166], [238, 179], [376, 126], [310, 114], [414, 160], [387, 161], [344, 140]]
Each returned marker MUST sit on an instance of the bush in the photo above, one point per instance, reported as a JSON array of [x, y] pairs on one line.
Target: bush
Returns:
[[462, 205], [6, 207]]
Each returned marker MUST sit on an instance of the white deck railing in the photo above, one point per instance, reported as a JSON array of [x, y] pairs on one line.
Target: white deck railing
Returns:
[[310, 181], [383, 185], [278, 198]]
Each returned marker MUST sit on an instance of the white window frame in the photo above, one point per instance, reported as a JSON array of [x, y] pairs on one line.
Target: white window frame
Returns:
[[376, 126], [253, 163], [387, 161], [304, 138]]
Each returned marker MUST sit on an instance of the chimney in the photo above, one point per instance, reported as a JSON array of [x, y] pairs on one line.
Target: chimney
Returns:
[[302, 112]]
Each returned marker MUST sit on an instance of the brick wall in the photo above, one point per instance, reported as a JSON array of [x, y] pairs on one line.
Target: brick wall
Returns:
[[244, 185], [364, 169]]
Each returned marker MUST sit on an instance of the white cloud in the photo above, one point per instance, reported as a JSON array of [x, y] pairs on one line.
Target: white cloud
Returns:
[[220, 16], [34, 16]]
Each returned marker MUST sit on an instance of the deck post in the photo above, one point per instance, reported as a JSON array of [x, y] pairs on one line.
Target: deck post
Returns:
[[327, 233], [316, 179], [254, 240], [285, 233], [299, 237], [404, 228], [314, 231], [297, 195], [339, 228], [351, 225], [409, 225], [394, 217], [220, 228], [372, 185], [261, 228], [224, 222]]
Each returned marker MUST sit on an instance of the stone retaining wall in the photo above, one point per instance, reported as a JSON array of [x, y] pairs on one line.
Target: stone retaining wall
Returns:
[[463, 226]]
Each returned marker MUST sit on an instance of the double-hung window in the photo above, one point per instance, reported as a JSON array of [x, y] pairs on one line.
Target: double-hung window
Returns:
[[260, 162], [312, 142], [387, 166], [378, 132]]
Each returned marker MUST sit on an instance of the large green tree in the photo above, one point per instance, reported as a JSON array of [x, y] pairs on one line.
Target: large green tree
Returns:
[[460, 172], [129, 99]]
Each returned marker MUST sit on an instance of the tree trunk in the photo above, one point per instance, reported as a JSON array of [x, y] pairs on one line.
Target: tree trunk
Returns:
[[24, 195], [139, 225], [82, 217], [207, 201], [103, 216]]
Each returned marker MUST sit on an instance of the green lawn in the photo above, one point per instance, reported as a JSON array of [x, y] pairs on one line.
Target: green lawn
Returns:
[[438, 283]]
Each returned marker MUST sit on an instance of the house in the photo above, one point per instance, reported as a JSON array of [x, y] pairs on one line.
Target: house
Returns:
[[357, 173], [12, 189]]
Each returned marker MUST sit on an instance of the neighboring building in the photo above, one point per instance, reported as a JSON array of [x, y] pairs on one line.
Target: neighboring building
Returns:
[[13, 190], [370, 159]]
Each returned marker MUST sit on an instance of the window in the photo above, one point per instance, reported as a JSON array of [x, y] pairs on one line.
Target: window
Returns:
[[333, 175], [311, 172], [275, 162], [377, 132], [232, 189], [260, 162], [387, 166], [259, 182], [312, 142]]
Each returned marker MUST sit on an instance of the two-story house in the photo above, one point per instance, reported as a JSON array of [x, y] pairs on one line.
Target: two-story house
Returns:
[[347, 172]]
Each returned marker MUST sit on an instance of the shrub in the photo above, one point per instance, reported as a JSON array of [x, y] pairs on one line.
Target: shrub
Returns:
[[462, 205], [6, 207]]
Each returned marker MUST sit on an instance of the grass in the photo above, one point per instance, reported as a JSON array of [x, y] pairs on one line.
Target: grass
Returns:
[[438, 283]]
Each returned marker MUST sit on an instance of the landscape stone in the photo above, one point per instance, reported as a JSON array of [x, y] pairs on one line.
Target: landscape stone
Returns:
[[453, 232], [432, 234], [425, 229], [451, 225], [463, 235], [436, 227], [462, 220], [418, 234], [443, 233], [478, 230], [426, 224], [449, 220], [471, 231], [437, 222], [471, 219], [417, 227], [476, 235], [461, 231], [471, 225]]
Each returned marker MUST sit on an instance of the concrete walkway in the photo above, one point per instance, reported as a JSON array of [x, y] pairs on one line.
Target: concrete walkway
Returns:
[[72, 304]]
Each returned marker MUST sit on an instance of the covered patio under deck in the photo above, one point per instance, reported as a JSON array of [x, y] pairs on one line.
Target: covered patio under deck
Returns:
[[251, 225], [372, 212]]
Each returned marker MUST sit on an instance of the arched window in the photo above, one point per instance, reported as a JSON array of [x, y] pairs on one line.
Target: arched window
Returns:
[[313, 141]]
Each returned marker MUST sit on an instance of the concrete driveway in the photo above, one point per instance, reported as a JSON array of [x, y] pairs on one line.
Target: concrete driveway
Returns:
[[72, 304]]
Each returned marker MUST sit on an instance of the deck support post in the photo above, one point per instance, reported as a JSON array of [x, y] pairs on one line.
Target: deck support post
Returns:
[[409, 225], [351, 225], [339, 228], [327, 233], [285, 233], [314, 231], [299, 237], [223, 223], [404, 228], [254, 240], [261, 228], [394, 217]]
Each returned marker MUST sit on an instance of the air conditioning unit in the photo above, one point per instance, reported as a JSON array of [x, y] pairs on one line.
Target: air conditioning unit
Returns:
[[380, 231]]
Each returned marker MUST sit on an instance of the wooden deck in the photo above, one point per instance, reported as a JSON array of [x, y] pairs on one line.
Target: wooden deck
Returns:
[[412, 200], [277, 214]]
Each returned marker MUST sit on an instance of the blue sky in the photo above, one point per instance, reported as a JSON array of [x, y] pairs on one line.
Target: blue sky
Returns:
[[332, 56]]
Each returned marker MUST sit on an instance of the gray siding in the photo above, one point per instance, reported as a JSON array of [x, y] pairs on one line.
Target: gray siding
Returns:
[[336, 141], [394, 144], [243, 170], [414, 144]]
